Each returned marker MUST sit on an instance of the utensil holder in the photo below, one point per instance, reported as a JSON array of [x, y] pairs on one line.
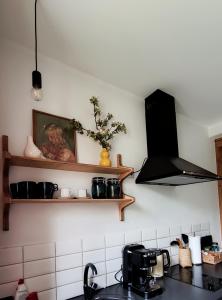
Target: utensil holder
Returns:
[[185, 257]]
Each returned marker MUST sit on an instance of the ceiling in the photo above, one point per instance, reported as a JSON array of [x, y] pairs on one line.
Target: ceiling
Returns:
[[137, 45]]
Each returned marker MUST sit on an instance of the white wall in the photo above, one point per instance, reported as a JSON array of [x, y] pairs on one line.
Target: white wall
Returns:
[[66, 93], [215, 131]]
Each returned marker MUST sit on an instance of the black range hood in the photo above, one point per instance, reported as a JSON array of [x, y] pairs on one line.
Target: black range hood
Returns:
[[164, 166]]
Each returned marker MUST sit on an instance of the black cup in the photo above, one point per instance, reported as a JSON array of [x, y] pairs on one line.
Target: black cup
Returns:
[[14, 190], [46, 190], [27, 190]]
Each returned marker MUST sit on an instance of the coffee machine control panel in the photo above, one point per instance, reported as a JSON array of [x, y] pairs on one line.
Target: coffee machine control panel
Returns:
[[144, 258]]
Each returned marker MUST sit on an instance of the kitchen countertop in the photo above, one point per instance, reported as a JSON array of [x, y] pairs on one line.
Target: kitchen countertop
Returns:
[[173, 289]]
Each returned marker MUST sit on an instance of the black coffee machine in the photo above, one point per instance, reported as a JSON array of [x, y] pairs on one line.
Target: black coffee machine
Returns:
[[137, 269]]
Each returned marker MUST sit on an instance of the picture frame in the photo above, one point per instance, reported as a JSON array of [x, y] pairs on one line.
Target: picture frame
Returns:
[[54, 137]]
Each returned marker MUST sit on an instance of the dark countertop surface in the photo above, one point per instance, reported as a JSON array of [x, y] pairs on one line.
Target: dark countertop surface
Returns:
[[173, 289]]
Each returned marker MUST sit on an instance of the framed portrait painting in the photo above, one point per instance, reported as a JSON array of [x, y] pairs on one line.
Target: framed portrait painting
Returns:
[[53, 136]]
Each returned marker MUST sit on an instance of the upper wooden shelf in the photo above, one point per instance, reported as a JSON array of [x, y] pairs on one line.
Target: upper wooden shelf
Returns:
[[66, 166]]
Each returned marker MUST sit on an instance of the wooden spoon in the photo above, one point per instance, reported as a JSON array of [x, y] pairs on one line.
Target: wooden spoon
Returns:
[[180, 243]]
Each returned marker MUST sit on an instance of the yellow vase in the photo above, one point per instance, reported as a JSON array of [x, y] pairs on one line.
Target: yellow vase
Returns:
[[104, 158]]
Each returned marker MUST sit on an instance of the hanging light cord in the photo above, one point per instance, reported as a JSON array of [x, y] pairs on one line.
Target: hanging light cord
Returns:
[[36, 61]]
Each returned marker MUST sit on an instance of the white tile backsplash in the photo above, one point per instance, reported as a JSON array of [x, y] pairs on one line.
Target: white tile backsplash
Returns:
[[55, 270], [186, 228], [68, 261], [94, 256], [148, 234], [150, 244], [41, 283], [70, 290], [205, 226], [133, 237], [198, 233], [100, 281], [9, 256], [114, 239], [175, 230], [35, 252], [68, 247], [163, 243], [39, 267], [69, 276], [196, 227], [113, 265], [47, 295], [8, 289], [110, 279], [93, 243], [163, 232], [205, 233], [114, 252], [11, 273]]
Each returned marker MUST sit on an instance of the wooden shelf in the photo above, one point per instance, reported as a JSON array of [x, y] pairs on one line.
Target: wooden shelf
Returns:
[[57, 165], [13, 160], [66, 200]]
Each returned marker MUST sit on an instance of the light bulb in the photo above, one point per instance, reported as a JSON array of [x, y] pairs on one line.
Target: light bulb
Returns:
[[36, 85], [36, 94]]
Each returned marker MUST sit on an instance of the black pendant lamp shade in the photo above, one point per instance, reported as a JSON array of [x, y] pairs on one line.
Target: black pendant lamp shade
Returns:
[[36, 80], [36, 75]]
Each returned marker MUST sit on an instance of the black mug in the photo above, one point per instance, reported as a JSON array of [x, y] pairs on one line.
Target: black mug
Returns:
[[14, 190], [27, 190], [46, 190]]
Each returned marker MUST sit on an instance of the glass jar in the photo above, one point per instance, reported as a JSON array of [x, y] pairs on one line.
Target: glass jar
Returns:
[[113, 188], [98, 188]]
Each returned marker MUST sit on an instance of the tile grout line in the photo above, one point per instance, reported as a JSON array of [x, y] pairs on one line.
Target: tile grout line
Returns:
[[81, 242], [55, 270], [104, 237], [23, 263]]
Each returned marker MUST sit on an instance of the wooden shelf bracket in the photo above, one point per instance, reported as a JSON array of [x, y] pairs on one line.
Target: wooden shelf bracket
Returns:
[[5, 182], [122, 205]]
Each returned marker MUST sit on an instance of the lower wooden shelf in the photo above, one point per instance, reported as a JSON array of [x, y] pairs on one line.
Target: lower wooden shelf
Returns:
[[122, 203], [66, 200]]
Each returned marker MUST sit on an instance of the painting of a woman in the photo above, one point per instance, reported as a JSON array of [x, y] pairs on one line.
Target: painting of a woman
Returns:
[[51, 136], [56, 147]]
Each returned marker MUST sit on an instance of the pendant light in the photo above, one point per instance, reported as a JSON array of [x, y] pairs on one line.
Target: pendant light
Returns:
[[36, 75]]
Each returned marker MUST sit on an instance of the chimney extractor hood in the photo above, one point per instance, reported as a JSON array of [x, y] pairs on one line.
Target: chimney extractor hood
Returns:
[[164, 166]]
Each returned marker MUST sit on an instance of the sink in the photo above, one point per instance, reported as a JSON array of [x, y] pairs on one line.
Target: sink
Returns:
[[112, 297]]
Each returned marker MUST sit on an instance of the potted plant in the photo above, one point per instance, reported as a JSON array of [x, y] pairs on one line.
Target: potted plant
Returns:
[[104, 132]]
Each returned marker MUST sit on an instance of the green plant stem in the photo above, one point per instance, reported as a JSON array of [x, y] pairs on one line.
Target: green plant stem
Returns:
[[95, 114]]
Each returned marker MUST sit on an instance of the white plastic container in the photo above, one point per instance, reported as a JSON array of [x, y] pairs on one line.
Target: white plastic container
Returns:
[[195, 248]]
